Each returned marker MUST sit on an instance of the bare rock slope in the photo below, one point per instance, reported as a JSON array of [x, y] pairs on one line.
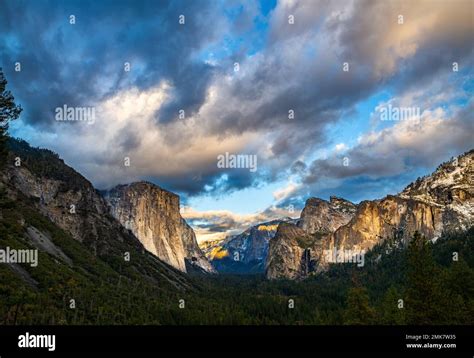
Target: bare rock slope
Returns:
[[438, 203], [152, 214]]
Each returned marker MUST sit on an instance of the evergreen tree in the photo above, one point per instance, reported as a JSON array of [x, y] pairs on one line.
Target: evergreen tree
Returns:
[[424, 297], [459, 284], [9, 111], [392, 309], [358, 310]]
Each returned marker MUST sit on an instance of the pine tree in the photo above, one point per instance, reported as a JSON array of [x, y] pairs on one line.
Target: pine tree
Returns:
[[9, 111], [459, 283], [358, 310], [392, 310], [424, 296]]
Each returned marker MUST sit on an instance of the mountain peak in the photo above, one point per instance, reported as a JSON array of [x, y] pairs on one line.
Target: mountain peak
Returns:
[[320, 215], [437, 203], [450, 186], [245, 252], [141, 185], [152, 214]]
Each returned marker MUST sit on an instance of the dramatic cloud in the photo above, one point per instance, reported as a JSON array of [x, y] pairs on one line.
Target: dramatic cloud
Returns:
[[420, 142], [295, 84], [82, 63]]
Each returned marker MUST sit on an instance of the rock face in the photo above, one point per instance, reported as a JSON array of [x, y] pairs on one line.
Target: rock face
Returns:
[[246, 252], [293, 253], [296, 251], [64, 196], [42, 183], [325, 217], [391, 217], [149, 212], [441, 202], [451, 189], [152, 214], [194, 257]]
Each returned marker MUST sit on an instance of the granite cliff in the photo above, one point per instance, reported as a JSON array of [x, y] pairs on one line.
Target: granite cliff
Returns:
[[42, 186], [152, 214], [245, 252], [432, 205]]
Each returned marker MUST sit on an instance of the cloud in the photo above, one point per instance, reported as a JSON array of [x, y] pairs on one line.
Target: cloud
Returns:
[[340, 147], [402, 34], [83, 63], [286, 191], [282, 67], [219, 224], [125, 128], [405, 147]]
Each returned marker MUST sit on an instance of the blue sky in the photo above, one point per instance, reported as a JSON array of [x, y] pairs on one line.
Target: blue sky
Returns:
[[282, 65]]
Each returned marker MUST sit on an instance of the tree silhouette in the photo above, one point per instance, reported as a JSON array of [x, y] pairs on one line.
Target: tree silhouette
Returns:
[[9, 111]]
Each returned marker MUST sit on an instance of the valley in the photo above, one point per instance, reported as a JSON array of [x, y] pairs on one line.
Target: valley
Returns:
[[276, 272]]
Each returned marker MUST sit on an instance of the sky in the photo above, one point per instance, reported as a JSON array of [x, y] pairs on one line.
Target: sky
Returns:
[[303, 86]]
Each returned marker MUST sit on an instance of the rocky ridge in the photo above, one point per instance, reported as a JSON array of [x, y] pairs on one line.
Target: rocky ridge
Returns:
[[245, 252], [438, 203]]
